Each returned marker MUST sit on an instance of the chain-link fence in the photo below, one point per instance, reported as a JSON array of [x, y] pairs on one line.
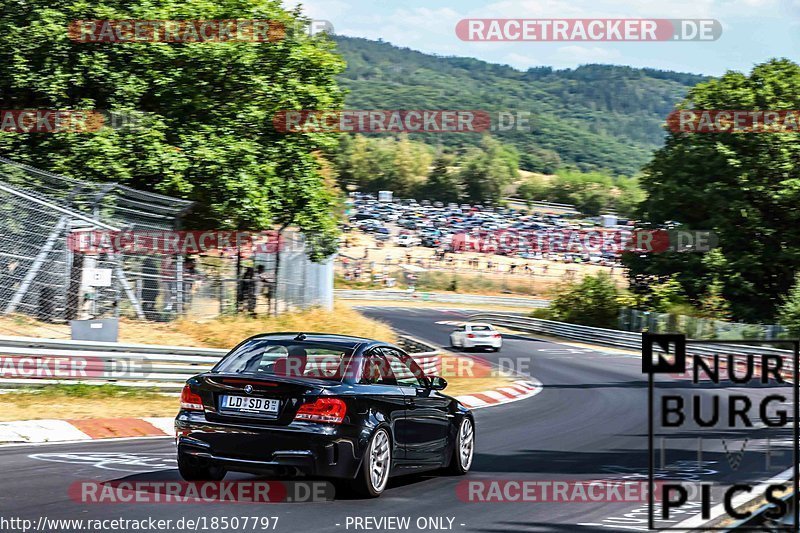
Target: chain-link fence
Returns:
[[697, 327], [228, 282], [61, 258]]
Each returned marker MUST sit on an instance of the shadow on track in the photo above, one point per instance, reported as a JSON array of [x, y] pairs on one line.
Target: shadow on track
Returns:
[[342, 492]]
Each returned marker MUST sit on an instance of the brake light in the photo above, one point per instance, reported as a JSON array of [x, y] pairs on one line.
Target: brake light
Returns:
[[496, 335], [190, 401], [470, 335], [327, 410]]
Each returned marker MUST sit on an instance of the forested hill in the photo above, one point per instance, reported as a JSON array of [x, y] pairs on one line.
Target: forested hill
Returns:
[[594, 116]]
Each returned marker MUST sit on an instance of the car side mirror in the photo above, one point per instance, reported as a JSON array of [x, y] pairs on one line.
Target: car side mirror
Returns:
[[437, 383]]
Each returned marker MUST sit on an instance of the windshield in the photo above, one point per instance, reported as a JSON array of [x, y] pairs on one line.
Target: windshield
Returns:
[[264, 357]]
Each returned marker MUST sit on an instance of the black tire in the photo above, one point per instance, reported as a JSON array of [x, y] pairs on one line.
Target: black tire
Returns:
[[194, 469], [495, 349], [363, 485], [457, 466]]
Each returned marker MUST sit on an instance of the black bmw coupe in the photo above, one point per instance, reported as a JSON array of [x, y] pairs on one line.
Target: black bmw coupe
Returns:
[[332, 406]]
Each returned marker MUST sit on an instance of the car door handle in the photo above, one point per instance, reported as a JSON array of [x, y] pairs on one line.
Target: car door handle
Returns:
[[409, 401]]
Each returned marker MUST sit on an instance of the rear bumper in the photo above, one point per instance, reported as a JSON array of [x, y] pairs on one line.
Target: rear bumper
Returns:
[[314, 449], [490, 342]]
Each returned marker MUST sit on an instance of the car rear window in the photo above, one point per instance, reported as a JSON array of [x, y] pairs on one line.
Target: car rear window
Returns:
[[481, 328], [287, 358]]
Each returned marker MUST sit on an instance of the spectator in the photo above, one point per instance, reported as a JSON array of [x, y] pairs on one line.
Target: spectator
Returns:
[[191, 276], [149, 288], [247, 288]]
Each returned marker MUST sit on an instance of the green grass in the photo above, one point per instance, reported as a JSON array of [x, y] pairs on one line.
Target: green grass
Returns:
[[80, 390]]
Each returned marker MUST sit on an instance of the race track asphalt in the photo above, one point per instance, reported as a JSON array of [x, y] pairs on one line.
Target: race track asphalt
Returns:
[[589, 422]]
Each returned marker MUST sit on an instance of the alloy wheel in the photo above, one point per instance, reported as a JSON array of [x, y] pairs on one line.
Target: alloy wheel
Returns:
[[466, 444], [380, 460]]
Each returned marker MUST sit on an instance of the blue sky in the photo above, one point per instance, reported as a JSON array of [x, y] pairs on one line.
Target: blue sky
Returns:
[[753, 30]]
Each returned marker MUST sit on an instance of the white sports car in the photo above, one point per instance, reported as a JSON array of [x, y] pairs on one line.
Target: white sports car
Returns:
[[476, 335]]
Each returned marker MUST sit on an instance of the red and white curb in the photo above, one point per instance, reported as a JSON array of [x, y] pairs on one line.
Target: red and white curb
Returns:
[[518, 390], [47, 431], [55, 431], [43, 431]]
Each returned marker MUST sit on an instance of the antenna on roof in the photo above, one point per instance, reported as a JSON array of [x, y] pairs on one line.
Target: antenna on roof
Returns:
[[300, 337]]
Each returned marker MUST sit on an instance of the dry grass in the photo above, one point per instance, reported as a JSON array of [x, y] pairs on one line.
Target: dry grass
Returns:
[[84, 402], [223, 332], [34, 406], [227, 332], [132, 331]]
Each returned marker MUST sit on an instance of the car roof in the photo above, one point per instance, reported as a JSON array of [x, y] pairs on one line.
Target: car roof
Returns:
[[343, 341], [477, 324]]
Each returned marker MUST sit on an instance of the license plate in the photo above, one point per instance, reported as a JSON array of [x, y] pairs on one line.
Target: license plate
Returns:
[[250, 405]]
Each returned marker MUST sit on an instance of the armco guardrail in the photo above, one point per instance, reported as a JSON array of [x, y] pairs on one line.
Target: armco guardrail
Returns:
[[60, 344], [760, 521], [608, 337], [26, 361], [454, 298]]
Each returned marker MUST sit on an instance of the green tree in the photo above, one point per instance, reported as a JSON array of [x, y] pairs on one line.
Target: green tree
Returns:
[[342, 158], [534, 188], [208, 131], [789, 311], [410, 164], [594, 301], [743, 186], [667, 296], [487, 171], [591, 192], [442, 183], [373, 164]]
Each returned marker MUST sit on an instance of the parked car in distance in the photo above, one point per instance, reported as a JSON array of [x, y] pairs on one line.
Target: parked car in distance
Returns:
[[407, 239], [476, 335]]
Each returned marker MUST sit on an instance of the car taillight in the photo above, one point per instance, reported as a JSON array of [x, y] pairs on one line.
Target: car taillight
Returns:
[[327, 410], [190, 401], [496, 335], [470, 335]]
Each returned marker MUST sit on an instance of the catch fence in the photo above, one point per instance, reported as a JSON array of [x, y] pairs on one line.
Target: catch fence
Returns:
[[46, 273]]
